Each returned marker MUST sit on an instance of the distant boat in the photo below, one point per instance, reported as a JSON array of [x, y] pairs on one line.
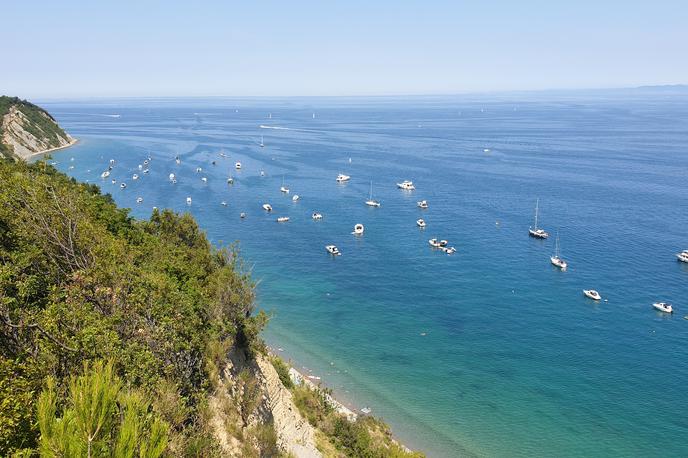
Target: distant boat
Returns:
[[139, 200], [199, 169], [556, 260], [295, 198], [134, 177], [663, 307], [262, 145], [262, 173], [146, 170], [283, 188], [682, 256], [316, 216], [282, 219], [420, 223], [123, 185], [366, 410], [177, 160], [267, 207], [333, 250], [406, 185], [341, 178], [535, 231], [204, 180], [592, 294], [313, 115], [242, 215], [171, 176], [237, 165], [422, 204], [371, 202], [188, 201], [358, 229], [230, 180], [105, 174], [223, 203]]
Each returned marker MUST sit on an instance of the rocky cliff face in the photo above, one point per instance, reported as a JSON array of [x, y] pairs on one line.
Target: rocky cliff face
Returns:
[[26, 129]]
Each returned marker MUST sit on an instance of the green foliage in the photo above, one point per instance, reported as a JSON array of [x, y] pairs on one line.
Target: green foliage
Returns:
[[82, 281], [99, 419], [282, 370]]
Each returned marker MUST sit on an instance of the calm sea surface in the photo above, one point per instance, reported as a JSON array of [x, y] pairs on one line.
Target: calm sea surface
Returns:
[[491, 351]]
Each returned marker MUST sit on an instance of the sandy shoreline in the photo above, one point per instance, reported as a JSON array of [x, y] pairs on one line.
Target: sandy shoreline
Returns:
[[33, 155]]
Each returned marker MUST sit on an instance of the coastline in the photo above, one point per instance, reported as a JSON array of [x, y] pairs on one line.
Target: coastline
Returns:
[[38, 153]]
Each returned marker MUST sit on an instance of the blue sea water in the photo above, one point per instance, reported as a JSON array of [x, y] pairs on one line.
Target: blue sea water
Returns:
[[488, 352]]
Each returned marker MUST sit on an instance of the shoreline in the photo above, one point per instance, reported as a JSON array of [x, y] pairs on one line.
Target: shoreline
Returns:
[[50, 150]]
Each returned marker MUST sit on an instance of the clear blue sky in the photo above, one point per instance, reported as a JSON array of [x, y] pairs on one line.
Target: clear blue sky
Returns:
[[65, 48]]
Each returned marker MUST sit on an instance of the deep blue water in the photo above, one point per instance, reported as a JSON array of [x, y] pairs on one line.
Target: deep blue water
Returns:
[[491, 351]]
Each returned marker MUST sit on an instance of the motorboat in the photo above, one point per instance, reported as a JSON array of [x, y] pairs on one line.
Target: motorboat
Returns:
[[237, 165], [682, 256], [174, 181], [592, 294], [139, 200], [140, 167], [267, 207], [295, 198], [123, 185], [434, 243], [663, 307], [534, 231], [112, 162], [341, 178], [204, 180], [105, 174], [177, 160], [199, 169], [316, 216], [262, 173], [406, 185], [333, 250], [283, 188], [223, 203], [134, 177], [448, 249], [366, 410], [146, 170], [262, 143], [420, 223], [423, 204], [242, 215], [113, 181], [230, 180], [358, 229], [171, 177], [556, 259], [372, 202], [188, 201], [146, 161], [282, 219]]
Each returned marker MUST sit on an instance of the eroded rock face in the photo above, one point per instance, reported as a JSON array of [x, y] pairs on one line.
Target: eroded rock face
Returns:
[[26, 138]]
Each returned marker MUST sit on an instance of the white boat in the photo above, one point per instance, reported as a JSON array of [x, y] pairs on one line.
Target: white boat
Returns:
[[199, 169], [434, 243], [139, 200], [262, 173], [174, 181], [105, 174], [146, 161], [295, 198], [242, 215], [341, 178], [188, 201], [556, 260], [134, 177], [230, 180], [223, 203], [114, 181], [204, 180], [534, 231], [146, 170], [171, 177], [592, 294], [282, 219], [283, 188], [372, 202], [333, 250], [237, 165], [267, 207], [406, 185], [663, 307], [448, 249], [358, 229], [420, 223], [423, 204], [316, 216], [177, 160], [262, 144], [140, 167], [123, 185], [682, 256], [112, 162], [366, 410]]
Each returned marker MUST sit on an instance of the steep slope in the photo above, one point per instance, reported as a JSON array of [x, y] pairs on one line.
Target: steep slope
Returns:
[[27, 129]]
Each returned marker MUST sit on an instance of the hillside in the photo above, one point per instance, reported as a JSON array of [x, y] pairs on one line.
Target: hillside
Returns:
[[121, 337], [27, 129]]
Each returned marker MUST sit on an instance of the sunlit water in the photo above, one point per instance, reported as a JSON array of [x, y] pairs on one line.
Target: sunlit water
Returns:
[[491, 351]]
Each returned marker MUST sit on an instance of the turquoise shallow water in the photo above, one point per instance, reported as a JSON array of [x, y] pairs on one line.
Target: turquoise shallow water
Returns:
[[490, 351]]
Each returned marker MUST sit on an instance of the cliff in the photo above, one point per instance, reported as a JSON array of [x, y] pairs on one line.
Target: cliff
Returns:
[[26, 129]]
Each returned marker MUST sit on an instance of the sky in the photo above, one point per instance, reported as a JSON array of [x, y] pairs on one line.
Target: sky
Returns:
[[67, 48]]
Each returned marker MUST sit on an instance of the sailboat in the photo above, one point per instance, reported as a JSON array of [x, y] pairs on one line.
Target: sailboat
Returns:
[[262, 145], [283, 188], [556, 259], [370, 202], [535, 231]]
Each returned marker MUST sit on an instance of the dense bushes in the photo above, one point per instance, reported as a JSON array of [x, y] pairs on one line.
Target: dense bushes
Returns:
[[81, 281]]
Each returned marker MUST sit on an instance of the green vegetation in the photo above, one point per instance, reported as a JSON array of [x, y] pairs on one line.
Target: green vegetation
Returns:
[[40, 124], [82, 282]]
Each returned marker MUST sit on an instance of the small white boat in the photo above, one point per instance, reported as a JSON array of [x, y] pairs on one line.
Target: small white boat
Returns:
[[204, 180], [123, 185], [534, 231], [139, 200], [556, 260], [316, 216], [423, 204], [262, 144], [113, 181], [171, 177], [174, 181], [262, 173], [592, 294], [146, 170], [333, 250], [177, 160], [188, 201], [71, 167], [230, 180], [372, 202], [105, 174], [283, 188], [448, 249], [434, 243], [223, 203], [134, 177], [341, 178], [145, 162], [140, 167], [199, 169], [112, 162], [237, 165], [406, 185], [366, 410], [420, 223], [682, 256], [242, 215], [358, 229], [295, 197], [663, 307], [282, 219], [267, 207]]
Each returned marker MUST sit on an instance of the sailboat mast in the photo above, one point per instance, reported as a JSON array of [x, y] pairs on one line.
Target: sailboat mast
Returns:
[[371, 190], [537, 204]]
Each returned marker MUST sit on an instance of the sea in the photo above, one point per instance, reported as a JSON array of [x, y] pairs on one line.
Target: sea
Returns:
[[491, 351]]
